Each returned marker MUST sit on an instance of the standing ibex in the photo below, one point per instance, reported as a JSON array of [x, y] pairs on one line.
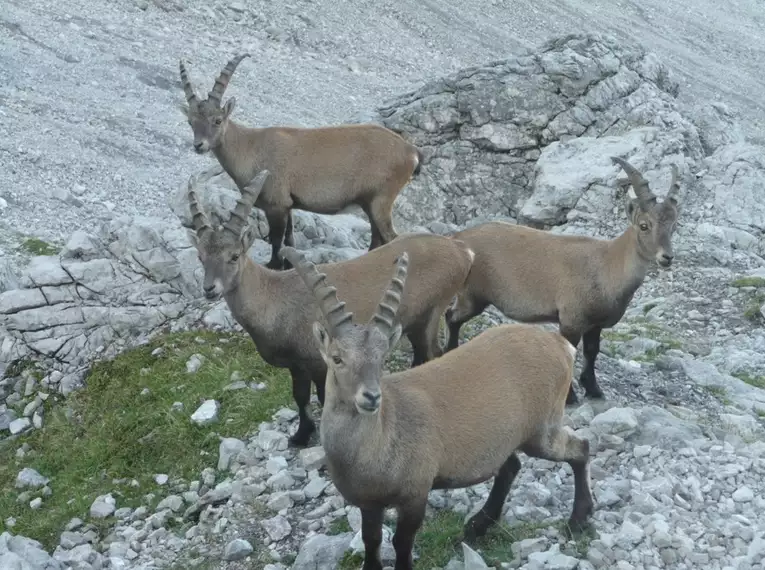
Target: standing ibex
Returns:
[[277, 310], [390, 439], [320, 170], [582, 283]]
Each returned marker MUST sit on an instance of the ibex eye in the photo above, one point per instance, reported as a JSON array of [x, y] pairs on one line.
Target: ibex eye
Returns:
[[337, 360], [218, 121], [235, 257], [644, 227]]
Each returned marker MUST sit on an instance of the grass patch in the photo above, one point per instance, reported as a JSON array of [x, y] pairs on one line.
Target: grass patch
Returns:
[[36, 246], [752, 310], [339, 526], [122, 426], [749, 282], [756, 381], [648, 306], [720, 393], [616, 336]]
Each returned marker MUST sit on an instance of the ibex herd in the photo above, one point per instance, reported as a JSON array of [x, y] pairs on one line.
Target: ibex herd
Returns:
[[391, 438]]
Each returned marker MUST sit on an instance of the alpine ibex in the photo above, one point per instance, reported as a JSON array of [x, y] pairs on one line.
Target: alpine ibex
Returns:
[[322, 170], [277, 310], [390, 439], [584, 284]]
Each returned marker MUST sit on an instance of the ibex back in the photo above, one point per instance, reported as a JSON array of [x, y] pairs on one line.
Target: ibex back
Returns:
[[322, 170], [584, 284], [277, 310]]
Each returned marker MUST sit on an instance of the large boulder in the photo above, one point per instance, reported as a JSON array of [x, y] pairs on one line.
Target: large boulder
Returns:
[[498, 138]]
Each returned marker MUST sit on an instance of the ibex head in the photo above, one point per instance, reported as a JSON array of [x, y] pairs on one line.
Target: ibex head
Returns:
[[223, 249], [354, 353], [653, 221], [208, 119]]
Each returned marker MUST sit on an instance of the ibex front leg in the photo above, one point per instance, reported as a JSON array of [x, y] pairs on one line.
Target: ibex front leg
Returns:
[[277, 227]]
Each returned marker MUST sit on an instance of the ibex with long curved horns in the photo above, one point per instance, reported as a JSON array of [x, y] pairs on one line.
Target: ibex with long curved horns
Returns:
[[322, 170], [390, 439], [277, 310], [582, 283]]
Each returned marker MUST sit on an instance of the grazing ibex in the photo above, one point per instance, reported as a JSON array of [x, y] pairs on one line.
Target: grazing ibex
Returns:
[[320, 170], [583, 283], [277, 310], [390, 439]]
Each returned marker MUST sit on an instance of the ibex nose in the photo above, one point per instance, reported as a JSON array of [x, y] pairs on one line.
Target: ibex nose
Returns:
[[210, 290], [666, 259], [372, 397], [198, 146]]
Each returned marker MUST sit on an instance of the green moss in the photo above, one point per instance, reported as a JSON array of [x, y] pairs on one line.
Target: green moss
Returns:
[[720, 393], [647, 307], [756, 381], [339, 526], [749, 282], [118, 432], [36, 246], [753, 305]]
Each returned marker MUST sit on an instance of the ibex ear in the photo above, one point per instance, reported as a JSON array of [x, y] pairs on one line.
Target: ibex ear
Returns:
[[246, 238], [632, 209], [395, 336], [322, 338], [229, 106]]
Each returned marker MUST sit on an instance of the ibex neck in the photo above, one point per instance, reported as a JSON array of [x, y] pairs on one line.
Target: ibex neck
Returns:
[[246, 299], [237, 153], [627, 265]]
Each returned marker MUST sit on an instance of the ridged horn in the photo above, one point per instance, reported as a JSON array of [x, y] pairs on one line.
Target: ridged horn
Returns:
[[199, 220], [385, 316], [674, 185], [639, 184], [191, 97], [241, 212], [334, 310], [216, 93]]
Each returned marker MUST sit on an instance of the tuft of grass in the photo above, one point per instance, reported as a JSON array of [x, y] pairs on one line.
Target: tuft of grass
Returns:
[[122, 426], [756, 381], [36, 246], [749, 282], [350, 561], [752, 310], [648, 306], [339, 526], [720, 393]]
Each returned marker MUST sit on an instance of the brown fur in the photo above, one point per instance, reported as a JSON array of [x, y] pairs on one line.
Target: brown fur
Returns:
[[322, 170], [277, 310], [390, 439], [583, 283]]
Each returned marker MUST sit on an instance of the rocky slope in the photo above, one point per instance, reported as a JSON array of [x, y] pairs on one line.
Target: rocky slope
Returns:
[[677, 446]]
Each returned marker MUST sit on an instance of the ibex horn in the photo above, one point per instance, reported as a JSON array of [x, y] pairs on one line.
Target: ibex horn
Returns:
[[326, 295], [639, 184], [199, 220], [241, 211], [674, 185], [191, 97], [385, 316], [225, 76]]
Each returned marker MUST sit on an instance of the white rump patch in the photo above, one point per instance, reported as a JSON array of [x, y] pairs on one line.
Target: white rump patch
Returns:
[[471, 255]]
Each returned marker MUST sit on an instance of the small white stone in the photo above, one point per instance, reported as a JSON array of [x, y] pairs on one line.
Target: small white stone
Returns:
[[743, 495], [206, 414]]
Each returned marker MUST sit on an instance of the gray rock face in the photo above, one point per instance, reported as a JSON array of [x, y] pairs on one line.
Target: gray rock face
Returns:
[[237, 549], [28, 477], [499, 137], [322, 552]]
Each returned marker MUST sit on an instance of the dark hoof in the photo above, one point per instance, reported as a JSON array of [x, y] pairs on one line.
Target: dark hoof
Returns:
[[274, 264], [476, 527], [577, 528], [303, 434], [286, 264], [572, 398], [596, 394]]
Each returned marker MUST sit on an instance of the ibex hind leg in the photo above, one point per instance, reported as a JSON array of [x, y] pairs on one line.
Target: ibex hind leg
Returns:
[[381, 216], [573, 336], [491, 511], [424, 339], [559, 443], [462, 309], [301, 391]]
